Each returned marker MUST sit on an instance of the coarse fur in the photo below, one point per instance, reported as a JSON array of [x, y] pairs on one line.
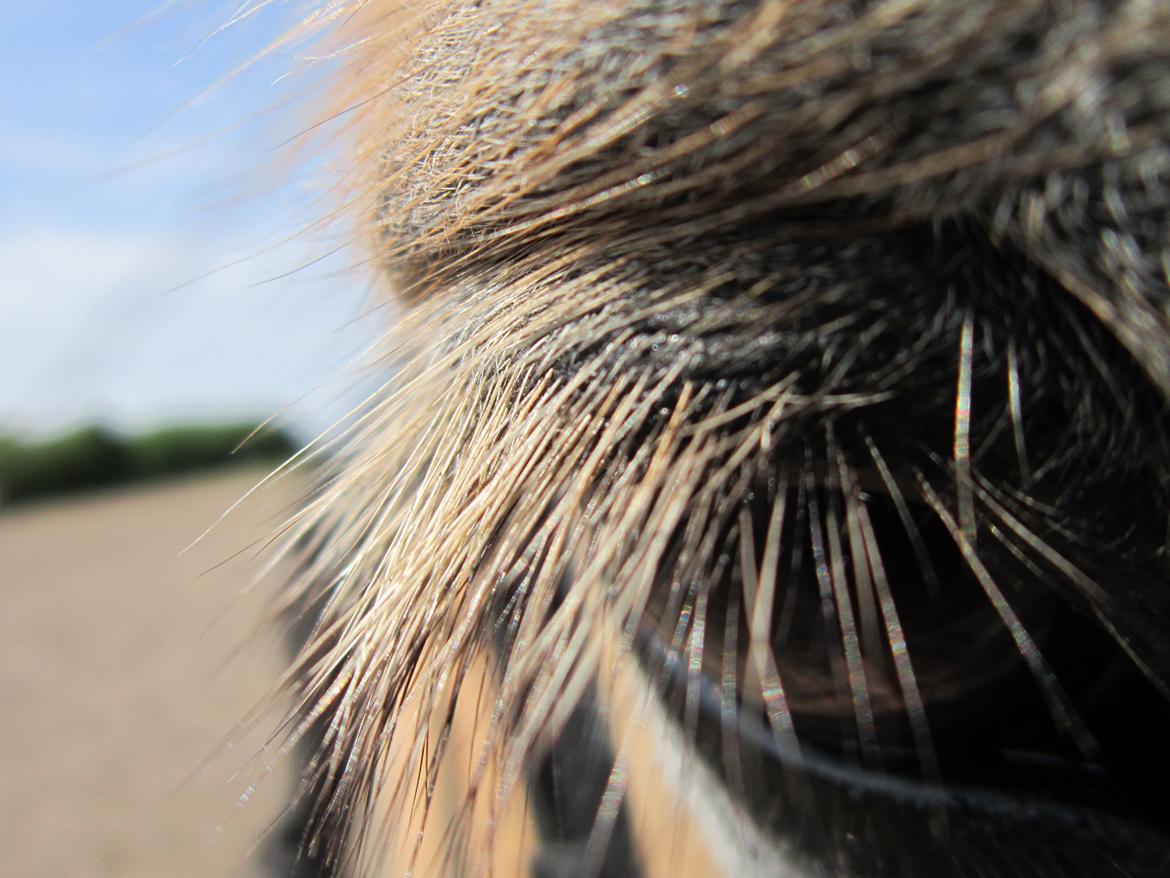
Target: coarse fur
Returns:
[[687, 285]]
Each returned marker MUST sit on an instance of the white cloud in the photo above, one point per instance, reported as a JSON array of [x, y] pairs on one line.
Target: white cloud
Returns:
[[90, 328]]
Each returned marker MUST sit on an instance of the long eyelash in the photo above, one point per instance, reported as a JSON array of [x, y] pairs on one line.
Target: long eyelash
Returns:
[[729, 689], [1097, 597], [917, 544], [758, 595], [696, 646], [994, 502], [962, 447], [824, 580], [788, 611], [1016, 414], [896, 638], [850, 641], [867, 611], [1063, 712]]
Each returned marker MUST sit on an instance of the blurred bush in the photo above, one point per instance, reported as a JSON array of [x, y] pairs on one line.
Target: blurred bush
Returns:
[[93, 457]]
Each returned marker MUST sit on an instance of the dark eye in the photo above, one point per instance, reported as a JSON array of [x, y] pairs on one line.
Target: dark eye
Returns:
[[915, 709]]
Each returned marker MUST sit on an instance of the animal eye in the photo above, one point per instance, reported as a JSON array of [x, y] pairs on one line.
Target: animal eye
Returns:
[[910, 704], [650, 256]]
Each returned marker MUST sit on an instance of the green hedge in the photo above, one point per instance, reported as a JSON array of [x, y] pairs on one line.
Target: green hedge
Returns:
[[93, 457]]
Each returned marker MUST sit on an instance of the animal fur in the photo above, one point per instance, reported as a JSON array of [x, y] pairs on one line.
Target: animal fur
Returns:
[[680, 273]]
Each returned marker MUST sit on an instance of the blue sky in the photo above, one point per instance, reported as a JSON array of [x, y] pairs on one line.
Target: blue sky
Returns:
[[123, 181]]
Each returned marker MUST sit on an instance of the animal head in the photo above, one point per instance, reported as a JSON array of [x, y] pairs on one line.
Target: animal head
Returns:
[[787, 377]]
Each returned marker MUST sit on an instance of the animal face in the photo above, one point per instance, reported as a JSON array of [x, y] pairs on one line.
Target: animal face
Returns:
[[789, 378]]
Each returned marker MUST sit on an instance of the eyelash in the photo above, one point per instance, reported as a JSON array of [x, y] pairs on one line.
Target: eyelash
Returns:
[[1044, 740]]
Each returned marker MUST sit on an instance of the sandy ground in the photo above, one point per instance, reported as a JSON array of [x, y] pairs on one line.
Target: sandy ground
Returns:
[[117, 679], [121, 671]]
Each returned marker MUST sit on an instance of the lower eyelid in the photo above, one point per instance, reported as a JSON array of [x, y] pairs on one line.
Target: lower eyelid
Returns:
[[879, 797], [1006, 768]]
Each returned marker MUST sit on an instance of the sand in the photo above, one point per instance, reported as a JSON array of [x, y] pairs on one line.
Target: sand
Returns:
[[117, 679]]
